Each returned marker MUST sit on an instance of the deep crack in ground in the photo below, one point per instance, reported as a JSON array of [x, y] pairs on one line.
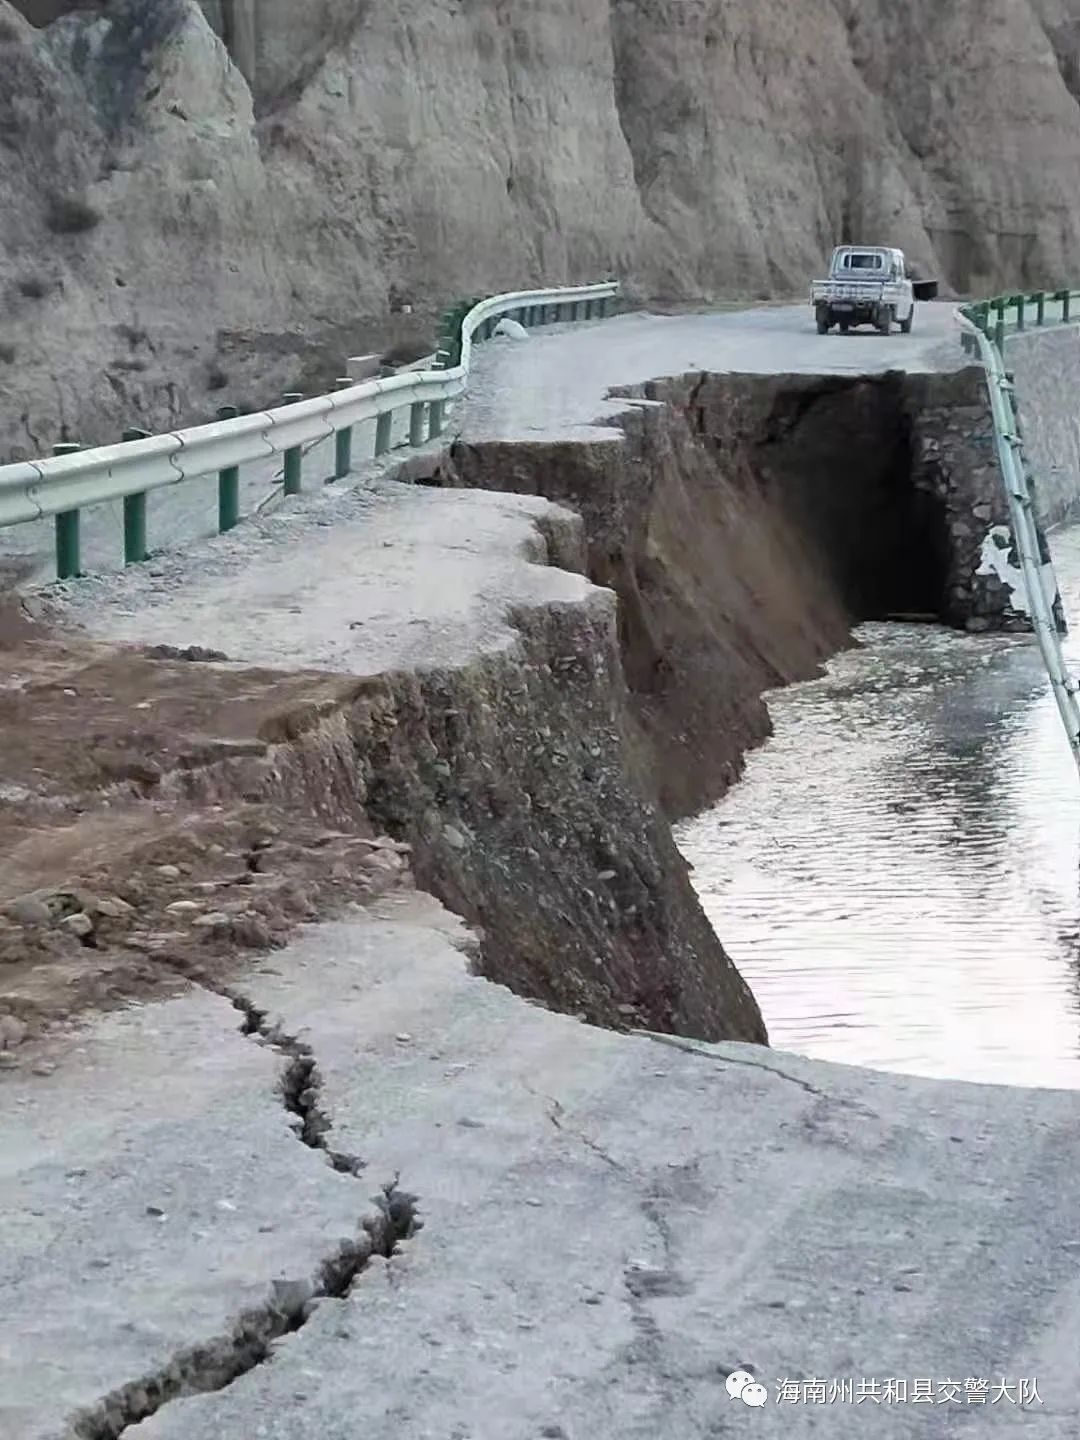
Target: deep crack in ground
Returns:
[[301, 1084], [202, 1369]]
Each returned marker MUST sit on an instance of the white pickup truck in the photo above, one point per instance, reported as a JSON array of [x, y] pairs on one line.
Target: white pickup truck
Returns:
[[867, 285]]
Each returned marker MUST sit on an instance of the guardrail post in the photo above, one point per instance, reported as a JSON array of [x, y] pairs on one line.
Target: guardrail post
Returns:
[[999, 324], [383, 425], [292, 478], [343, 439], [1018, 301], [449, 351], [135, 512], [67, 530], [228, 485], [436, 410], [417, 426], [1040, 308], [1066, 298]]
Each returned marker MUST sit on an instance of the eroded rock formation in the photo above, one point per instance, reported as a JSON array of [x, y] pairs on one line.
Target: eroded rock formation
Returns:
[[206, 203]]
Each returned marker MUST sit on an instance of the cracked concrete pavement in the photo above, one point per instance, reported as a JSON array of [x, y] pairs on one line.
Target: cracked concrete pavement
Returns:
[[610, 1223], [154, 1193]]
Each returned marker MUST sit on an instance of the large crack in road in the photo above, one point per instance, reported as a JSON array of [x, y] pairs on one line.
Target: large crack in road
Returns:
[[218, 1362]]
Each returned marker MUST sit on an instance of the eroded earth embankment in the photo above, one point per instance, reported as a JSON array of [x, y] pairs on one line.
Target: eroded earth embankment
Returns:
[[747, 522], [435, 673], [263, 731], [163, 812]]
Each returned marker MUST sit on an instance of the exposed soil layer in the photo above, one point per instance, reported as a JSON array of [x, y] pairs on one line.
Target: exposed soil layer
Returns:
[[747, 522], [165, 814], [149, 831]]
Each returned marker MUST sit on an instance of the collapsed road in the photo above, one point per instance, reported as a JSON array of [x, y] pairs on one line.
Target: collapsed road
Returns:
[[321, 1168]]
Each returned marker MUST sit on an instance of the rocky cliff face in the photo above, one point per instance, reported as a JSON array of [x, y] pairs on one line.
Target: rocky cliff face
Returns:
[[202, 200]]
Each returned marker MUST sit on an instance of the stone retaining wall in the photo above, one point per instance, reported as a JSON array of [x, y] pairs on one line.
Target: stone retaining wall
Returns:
[[1046, 364]]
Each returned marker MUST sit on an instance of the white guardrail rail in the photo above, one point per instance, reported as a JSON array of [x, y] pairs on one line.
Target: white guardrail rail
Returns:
[[984, 328], [73, 478]]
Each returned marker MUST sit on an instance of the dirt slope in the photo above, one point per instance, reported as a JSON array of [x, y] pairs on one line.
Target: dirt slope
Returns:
[[189, 220]]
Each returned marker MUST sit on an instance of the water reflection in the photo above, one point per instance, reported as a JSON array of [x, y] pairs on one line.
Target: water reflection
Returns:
[[898, 875]]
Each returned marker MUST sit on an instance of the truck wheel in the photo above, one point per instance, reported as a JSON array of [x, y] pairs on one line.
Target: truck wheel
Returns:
[[845, 327], [905, 325], [884, 320], [824, 319]]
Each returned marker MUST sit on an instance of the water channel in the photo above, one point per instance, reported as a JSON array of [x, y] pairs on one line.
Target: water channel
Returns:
[[898, 874]]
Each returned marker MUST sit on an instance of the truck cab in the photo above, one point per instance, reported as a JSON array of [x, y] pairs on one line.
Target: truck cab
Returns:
[[866, 285]]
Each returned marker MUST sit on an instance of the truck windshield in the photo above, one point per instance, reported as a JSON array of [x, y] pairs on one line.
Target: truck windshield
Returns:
[[862, 262]]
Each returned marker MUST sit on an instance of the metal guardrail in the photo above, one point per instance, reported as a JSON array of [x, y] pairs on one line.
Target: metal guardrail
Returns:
[[1006, 315], [73, 478], [985, 328]]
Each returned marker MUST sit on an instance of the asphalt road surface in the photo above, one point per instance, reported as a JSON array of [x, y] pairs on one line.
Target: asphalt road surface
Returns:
[[554, 384]]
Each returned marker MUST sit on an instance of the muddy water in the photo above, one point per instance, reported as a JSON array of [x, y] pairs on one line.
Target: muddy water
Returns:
[[898, 875]]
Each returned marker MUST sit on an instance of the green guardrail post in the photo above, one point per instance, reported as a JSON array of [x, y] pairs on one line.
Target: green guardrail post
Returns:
[[999, 323], [436, 411], [343, 438], [1018, 301], [293, 476], [135, 512], [383, 425], [67, 530], [1040, 308], [417, 419], [228, 484], [1066, 300], [449, 337]]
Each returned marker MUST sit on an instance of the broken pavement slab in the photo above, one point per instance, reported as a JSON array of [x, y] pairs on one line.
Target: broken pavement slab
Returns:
[[614, 1223], [161, 1216]]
